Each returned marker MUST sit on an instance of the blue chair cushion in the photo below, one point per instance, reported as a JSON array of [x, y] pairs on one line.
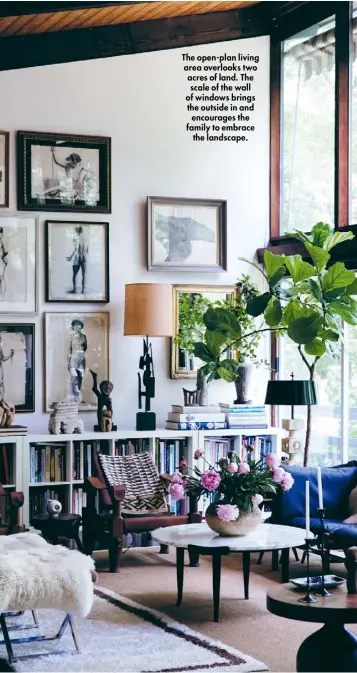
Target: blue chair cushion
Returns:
[[343, 535], [337, 484]]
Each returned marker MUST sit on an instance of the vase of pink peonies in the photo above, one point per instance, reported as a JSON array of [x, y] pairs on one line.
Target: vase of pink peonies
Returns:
[[237, 488]]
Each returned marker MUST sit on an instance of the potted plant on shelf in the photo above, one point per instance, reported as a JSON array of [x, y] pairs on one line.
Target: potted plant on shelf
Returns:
[[237, 488]]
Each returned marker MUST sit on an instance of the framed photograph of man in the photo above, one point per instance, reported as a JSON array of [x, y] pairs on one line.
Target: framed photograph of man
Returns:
[[17, 365], [187, 234], [58, 172], [4, 169], [77, 261], [18, 266], [75, 344]]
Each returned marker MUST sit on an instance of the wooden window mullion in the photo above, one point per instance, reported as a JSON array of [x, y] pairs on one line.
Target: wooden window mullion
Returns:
[[342, 115]]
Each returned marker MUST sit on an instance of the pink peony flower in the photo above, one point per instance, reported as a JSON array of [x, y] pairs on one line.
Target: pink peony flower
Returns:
[[182, 463], [257, 499], [176, 478], [210, 480], [232, 468], [177, 491], [243, 468], [227, 512], [272, 461], [287, 481], [278, 474], [198, 453]]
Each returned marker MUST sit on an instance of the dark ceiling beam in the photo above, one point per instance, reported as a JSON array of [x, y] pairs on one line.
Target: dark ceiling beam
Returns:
[[22, 8], [290, 18], [25, 51]]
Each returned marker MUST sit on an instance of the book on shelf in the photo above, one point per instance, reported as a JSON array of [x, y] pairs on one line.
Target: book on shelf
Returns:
[[247, 426], [84, 455], [199, 425], [47, 463], [79, 500], [242, 408], [210, 409], [13, 430], [193, 418], [39, 498], [6, 464]]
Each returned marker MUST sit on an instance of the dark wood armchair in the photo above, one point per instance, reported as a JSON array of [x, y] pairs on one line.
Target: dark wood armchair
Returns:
[[10, 504], [127, 496]]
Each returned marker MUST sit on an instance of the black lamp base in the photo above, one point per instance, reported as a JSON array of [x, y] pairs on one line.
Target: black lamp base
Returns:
[[146, 420]]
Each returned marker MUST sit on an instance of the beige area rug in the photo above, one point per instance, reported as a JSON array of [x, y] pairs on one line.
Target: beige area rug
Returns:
[[122, 636], [149, 578]]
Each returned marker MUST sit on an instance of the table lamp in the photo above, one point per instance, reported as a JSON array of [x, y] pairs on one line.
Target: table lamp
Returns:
[[292, 393], [148, 313]]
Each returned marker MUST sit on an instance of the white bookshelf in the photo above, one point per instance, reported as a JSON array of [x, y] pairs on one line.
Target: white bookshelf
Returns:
[[194, 439]]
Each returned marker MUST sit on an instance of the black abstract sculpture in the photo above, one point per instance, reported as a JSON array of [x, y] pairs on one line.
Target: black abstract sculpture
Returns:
[[105, 407], [146, 420]]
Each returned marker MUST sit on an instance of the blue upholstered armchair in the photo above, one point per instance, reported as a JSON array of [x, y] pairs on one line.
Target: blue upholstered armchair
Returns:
[[340, 502]]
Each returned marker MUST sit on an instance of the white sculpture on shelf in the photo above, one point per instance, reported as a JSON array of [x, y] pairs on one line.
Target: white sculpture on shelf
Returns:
[[64, 418], [54, 507]]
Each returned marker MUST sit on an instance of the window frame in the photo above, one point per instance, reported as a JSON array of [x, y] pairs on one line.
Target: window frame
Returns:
[[343, 14]]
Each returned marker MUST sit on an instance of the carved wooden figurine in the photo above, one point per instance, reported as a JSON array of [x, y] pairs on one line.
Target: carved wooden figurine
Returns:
[[105, 408], [7, 413]]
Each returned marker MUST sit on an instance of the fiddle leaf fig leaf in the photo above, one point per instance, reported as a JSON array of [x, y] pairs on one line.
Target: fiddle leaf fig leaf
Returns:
[[315, 289], [224, 321], [352, 289], [298, 269], [214, 341], [320, 233], [272, 262], [225, 373], [299, 235], [304, 330], [337, 276], [257, 305], [348, 312], [273, 312], [315, 347], [203, 352], [337, 238], [277, 276], [319, 256], [329, 335]]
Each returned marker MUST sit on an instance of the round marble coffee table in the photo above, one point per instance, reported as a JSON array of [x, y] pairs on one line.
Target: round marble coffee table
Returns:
[[201, 540]]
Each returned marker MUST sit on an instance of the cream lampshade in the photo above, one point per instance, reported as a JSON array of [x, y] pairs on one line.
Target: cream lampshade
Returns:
[[148, 310], [148, 313]]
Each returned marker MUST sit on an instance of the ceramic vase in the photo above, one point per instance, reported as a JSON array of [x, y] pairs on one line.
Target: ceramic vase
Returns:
[[243, 383], [246, 523]]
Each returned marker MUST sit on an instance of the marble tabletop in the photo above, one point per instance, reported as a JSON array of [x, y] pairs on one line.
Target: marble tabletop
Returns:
[[267, 537]]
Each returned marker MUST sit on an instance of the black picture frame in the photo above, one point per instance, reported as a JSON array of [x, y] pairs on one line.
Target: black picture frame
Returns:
[[28, 330], [50, 200], [214, 232], [71, 296], [4, 168]]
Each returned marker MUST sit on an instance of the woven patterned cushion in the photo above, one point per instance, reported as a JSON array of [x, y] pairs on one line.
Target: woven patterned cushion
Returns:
[[144, 491]]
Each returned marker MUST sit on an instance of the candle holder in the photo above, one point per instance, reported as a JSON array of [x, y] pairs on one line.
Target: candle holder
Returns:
[[308, 598], [322, 591]]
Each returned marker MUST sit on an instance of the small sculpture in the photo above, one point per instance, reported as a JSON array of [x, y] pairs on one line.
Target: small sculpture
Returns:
[[146, 420], [54, 507], [7, 413], [105, 407], [199, 396], [64, 418]]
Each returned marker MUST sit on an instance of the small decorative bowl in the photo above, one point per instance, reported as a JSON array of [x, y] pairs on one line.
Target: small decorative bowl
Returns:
[[331, 582]]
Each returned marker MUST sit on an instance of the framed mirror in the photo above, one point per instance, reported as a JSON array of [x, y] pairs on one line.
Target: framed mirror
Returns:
[[190, 303]]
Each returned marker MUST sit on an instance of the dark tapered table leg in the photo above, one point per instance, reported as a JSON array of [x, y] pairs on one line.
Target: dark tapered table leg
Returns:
[[216, 575], [285, 565], [275, 559], [246, 571], [180, 557]]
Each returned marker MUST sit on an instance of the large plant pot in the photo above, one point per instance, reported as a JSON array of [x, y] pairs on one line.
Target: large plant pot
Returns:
[[243, 383], [246, 523]]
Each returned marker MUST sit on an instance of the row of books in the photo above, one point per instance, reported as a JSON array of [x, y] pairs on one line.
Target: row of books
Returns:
[[218, 447], [243, 416], [38, 501], [83, 457], [47, 463], [168, 454], [6, 464], [79, 500]]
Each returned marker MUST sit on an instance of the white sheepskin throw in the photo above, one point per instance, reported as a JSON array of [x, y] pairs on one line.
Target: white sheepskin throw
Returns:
[[36, 575]]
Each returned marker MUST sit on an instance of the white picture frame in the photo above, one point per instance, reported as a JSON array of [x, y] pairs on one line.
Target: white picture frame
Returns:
[[75, 343], [18, 264]]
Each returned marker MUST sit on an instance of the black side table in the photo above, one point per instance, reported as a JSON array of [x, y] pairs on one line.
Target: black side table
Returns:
[[63, 525]]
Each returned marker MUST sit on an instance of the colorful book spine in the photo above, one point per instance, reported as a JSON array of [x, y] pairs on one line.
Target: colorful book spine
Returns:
[[196, 426]]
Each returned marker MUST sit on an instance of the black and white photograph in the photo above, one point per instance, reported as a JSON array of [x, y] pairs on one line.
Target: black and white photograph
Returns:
[[186, 234], [4, 169], [75, 345], [17, 365], [18, 247], [77, 261], [63, 172]]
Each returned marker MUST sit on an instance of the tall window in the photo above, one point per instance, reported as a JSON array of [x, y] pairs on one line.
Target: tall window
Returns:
[[308, 115], [353, 139]]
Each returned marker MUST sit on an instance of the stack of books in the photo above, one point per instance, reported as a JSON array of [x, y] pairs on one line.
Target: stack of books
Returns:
[[243, 416], [196, 418], [13, 430]]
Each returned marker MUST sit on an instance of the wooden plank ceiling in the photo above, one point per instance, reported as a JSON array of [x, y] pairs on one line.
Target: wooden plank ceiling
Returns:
[[56, 21]]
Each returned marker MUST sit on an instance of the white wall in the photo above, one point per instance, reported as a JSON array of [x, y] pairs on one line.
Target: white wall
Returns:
[[139, 101]]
